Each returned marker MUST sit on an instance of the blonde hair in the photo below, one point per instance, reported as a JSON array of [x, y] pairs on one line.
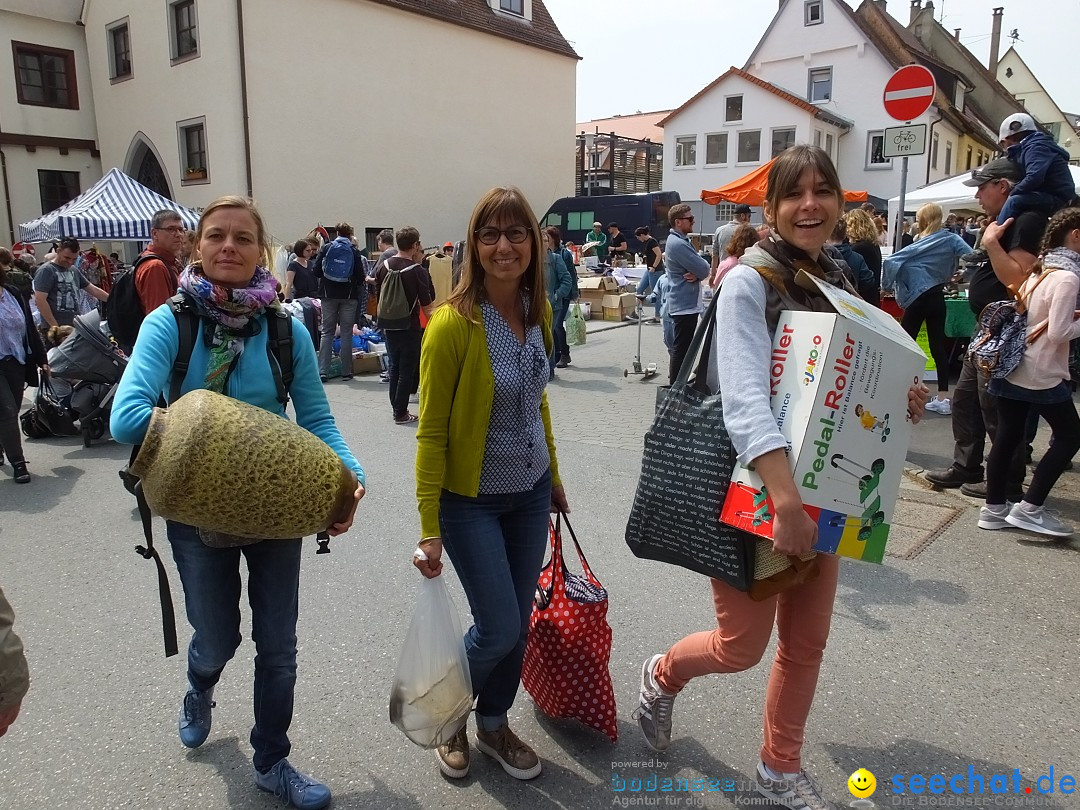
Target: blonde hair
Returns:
[[928, 218], [507, 205], [860, 226], [235, 201]]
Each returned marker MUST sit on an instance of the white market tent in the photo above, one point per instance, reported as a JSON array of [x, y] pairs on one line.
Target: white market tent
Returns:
[[951, 194], [115, 208]]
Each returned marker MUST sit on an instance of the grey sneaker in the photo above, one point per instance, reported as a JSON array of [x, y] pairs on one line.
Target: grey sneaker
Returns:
[[991, 517], [1039, 521], [654, 711], [795, 791], [292, 787]]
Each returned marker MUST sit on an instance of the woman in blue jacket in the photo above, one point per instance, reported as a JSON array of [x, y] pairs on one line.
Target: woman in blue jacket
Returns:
[[559, 286], [919, 274], [232, 291]]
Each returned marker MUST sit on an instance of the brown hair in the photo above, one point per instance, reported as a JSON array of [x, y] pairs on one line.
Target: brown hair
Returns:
[[743, 238], [555, 234], [860, 226], [235, 201], [786, 170], [507, 205], [1065, 220], [677, 212], [407, 238], [344, 229]]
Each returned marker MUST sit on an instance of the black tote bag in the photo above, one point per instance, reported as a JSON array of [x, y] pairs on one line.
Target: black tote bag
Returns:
[[685, 474]]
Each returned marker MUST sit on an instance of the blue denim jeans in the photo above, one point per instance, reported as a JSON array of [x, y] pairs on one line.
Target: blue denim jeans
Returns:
[[648, 283], [211, 580], [497, 545]]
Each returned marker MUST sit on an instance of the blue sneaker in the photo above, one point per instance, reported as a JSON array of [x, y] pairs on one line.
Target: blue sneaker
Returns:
[[195, 717], [300, 790]]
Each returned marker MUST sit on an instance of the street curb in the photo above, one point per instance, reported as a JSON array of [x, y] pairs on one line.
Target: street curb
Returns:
[[609, 325]]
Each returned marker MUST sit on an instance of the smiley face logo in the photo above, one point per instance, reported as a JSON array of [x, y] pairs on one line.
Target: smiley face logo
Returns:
[[862, 784]]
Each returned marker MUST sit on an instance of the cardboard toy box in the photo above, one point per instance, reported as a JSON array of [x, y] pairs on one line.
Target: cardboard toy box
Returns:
[[613, 308], [838, 387], [366, 363]]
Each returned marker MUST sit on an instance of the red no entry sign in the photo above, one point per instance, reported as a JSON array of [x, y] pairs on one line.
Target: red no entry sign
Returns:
[[909, 92]]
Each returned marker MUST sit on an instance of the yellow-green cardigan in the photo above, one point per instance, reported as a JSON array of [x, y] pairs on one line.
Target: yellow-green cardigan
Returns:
[[457, 387]]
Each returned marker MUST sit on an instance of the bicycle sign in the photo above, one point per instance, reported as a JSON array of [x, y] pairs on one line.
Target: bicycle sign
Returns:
[[904, 141]]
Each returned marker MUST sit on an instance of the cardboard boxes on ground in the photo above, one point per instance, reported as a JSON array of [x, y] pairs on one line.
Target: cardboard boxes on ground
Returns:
[[838, 387], [618, 306]]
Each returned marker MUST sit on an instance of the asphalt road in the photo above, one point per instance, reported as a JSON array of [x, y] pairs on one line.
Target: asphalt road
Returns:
[[960, 652]]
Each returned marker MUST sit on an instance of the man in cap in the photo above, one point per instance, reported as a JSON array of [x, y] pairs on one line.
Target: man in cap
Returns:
[[1012, 252], [724, 232], [596, 240]]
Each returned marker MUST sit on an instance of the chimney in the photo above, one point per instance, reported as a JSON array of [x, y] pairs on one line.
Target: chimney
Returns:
[[881, 5], [956, 34], [916, 7], [995, 41]]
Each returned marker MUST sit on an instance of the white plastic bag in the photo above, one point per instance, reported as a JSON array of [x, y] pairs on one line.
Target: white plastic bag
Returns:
[[431, 696]]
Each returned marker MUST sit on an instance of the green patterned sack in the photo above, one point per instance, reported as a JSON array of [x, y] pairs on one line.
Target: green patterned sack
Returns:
[[575, 327]]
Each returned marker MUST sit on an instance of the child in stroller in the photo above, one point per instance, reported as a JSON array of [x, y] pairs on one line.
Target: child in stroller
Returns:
[[91, 362]]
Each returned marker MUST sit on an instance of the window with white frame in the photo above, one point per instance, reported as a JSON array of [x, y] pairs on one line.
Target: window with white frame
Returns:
[[686, 150], [194, 163], [183, 30], [829, 145], [118, 35], [933, 152], [725, 212], [782, 138], [513, 7], [819, 84], [817, 137], [716, 149], [948, 157], [750, 146], [732, 109], [875, 150], [813, 13]]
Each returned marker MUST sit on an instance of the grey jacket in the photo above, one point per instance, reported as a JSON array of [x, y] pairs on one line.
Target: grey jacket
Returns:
[[14, 674]]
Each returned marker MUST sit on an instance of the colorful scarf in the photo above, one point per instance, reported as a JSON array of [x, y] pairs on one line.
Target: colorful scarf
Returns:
[[233, 311]]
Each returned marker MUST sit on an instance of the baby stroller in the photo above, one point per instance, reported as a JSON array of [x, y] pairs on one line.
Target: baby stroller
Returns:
[[93, 364]]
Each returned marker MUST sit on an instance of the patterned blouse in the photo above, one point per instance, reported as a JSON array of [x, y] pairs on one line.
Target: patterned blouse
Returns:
[[12, 328], [515, 454]]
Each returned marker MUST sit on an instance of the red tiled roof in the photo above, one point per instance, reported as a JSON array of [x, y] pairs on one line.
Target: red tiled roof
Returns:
[[813, 109], [540, 32]]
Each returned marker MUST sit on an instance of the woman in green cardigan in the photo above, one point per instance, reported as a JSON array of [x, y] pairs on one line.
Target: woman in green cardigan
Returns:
[[486, 474]]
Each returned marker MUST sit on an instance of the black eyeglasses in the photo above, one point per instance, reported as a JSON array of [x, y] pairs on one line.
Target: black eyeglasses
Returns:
[[516, 234], [689, 218]]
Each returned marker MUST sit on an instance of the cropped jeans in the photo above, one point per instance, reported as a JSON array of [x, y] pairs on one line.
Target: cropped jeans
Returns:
[[211, 580], [497, 545], [743, 627]]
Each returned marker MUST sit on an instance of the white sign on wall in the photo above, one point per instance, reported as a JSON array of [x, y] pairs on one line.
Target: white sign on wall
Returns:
[[904, 141]]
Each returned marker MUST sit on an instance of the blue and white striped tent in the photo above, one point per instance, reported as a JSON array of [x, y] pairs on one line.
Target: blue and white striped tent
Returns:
[[115, 207]]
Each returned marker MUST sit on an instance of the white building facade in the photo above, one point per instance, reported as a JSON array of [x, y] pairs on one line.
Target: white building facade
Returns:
[[381, 113], [48, 128], [732, 127]]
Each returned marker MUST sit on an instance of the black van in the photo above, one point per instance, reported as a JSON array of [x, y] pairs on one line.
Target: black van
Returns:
[[574, 216]]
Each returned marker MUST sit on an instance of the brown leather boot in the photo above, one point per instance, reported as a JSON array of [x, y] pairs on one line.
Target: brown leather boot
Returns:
[[454, 756], [516, 758]]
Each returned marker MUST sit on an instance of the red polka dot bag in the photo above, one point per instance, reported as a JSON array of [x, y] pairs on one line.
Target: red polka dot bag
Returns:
[[569, 646]]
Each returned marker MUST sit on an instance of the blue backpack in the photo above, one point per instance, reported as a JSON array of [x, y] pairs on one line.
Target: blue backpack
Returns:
[[338, 261]]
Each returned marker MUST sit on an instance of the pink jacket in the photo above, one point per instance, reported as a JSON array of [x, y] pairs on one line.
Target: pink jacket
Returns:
[[1053, 302]]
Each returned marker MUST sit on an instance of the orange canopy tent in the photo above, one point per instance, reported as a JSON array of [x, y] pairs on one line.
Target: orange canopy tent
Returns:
[[751, 190]]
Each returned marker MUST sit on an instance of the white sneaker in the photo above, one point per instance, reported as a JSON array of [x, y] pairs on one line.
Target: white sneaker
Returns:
[[941, 406], [1038, 520], [994, 518]]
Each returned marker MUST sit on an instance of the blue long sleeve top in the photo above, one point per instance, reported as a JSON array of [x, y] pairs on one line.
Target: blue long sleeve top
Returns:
[[149, 369], [684, 297], [559, 285], [923, 264]]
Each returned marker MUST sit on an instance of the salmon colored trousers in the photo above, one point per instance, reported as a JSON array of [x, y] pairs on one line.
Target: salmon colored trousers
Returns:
[[743, 629]]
